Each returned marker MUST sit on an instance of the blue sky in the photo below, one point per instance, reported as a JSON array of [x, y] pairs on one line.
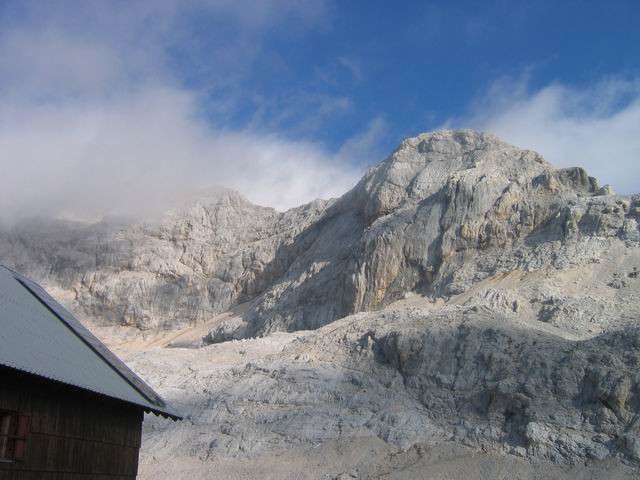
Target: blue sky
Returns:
[[418, 64], [119, 102]]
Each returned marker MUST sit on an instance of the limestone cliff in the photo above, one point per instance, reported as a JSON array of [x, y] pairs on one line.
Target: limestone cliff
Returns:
[[465, 294], [443, 212]]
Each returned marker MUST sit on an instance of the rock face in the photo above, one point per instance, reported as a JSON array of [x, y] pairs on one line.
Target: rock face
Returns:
[[464, 292], [443, 212], [410, 377], [192, 263]]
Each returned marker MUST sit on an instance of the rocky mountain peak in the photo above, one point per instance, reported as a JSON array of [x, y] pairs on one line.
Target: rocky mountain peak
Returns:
[[464, 289], [454, 160], [217, 196], [451, 142], [442, 212]]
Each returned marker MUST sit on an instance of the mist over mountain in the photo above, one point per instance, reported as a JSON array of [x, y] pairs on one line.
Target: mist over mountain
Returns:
[[237, 197], [464, 292], [442, 213]]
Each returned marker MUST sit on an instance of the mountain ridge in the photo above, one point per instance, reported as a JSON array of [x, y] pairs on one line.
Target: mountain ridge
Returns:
[[219, 250], [464, 293]]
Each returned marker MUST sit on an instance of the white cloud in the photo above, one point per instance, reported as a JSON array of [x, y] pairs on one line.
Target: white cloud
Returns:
[[93, 122], [367, 145], [45, 63], [596, 127], [139, 152]]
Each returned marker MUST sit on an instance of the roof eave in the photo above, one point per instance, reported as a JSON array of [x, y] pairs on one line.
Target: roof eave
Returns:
[[173, 415]]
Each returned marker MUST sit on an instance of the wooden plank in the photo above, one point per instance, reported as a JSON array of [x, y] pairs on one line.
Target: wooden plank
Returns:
[[65, 411], [74, 433], [60, 454], [9, 399], [21, 475]]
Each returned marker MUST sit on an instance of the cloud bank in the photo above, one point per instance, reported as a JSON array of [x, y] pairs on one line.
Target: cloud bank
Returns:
[[596, 127], [114, 107], [93, 122], [141, 152]]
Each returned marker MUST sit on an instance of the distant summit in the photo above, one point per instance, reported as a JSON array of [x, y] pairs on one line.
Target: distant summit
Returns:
[[463, 291], [444, 211]]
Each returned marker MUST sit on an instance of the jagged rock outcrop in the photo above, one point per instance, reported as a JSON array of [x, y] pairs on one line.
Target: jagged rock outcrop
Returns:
[[412, 378], [463, 293], [190, 264], [443, 212]]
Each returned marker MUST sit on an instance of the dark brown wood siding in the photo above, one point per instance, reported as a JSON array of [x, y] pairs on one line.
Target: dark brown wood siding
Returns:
[[74, 434]]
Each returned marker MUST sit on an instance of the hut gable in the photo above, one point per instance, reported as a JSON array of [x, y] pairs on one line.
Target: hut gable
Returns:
[[38, 336], [69, 408]]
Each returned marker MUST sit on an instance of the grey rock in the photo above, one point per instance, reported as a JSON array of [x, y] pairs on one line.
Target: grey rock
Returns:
[[464, 291], [443, 212], [408, 376], [190, 264]]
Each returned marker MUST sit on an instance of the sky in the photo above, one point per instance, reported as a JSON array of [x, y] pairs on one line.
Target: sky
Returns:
[[121, 107]]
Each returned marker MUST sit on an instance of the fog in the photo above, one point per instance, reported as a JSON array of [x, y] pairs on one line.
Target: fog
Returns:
[[92, 122], [596, 127]]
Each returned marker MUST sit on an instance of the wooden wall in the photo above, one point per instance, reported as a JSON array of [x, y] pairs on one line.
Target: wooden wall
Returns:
[[74, 434]]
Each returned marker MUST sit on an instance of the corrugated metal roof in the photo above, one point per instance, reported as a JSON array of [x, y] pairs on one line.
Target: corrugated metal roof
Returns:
[[37, 335]]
